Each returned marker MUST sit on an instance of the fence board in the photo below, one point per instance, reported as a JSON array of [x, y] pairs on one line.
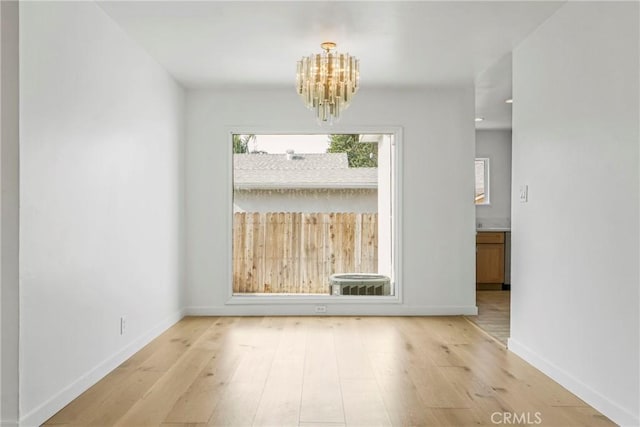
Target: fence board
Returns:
[[278, 252]]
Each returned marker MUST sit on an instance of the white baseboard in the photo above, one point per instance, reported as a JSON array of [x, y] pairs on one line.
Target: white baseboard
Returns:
[[613, 411], [5, 423], [332, 310], [66, 395]]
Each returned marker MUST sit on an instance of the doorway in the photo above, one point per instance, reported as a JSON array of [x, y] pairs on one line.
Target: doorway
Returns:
[[493, 231]]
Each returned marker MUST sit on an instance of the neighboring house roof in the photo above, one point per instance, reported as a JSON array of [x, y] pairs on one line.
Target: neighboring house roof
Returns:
[[275, 171]]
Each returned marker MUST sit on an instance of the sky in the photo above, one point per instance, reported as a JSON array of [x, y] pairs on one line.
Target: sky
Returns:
[[274, 144]]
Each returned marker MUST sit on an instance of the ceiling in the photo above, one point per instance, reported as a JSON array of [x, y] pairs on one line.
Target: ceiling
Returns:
[[400, 44]]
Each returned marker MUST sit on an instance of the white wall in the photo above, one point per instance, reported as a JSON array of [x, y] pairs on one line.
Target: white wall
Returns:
[[496, 145], [9, 202], [574, 306], [101, 200], [437, 215], [308, 201]]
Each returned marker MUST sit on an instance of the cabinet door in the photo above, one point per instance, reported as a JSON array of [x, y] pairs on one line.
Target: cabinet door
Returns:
[[489, 237], [490, 263]]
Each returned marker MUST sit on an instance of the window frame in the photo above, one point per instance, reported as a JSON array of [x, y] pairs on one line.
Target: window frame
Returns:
[[487, 181], [396, 205]]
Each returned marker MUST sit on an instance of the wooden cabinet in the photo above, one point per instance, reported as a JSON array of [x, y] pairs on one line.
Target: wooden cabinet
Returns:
[[489, 260]]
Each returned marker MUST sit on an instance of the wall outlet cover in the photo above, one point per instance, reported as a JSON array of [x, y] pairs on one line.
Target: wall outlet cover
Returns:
[[524, 193]]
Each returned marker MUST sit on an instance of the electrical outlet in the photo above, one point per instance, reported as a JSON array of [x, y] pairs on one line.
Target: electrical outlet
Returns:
[[123, 325], [321, 308]]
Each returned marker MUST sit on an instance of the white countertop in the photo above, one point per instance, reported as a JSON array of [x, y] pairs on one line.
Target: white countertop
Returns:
[[494, 229]]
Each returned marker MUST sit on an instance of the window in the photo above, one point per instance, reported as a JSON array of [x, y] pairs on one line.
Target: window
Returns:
[[312, 215], [482, 181]]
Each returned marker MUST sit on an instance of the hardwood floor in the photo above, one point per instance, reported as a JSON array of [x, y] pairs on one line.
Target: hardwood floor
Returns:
[[324, 371], [493, 313]]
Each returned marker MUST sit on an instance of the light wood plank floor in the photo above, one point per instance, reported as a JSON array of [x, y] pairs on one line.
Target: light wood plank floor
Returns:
[[494, 313], [324, 371]]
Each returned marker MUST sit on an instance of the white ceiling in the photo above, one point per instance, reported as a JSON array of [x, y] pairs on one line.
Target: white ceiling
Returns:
[[399, 44]]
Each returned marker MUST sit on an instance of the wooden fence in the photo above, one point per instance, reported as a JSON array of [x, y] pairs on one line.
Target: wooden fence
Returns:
[[293, 252]]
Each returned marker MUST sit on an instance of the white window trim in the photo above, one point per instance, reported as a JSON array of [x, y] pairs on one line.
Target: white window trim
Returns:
[[396, 222], [487, 180]]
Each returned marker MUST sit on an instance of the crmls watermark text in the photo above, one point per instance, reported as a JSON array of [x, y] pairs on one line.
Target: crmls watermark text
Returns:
[[516, 418]]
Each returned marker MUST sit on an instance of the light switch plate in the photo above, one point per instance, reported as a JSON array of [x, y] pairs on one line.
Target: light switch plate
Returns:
[[524, 193]]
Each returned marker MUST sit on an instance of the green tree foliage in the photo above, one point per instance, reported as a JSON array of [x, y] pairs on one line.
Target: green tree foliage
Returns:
[[241, 143], [359, 154]]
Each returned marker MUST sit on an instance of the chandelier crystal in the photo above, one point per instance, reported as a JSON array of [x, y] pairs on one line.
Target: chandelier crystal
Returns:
[[327, 82]]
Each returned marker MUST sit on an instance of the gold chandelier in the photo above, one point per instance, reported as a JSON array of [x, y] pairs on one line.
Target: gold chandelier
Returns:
[[327, 82]]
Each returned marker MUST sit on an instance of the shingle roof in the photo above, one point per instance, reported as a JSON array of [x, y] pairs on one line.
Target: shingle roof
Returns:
[[326, 170], [299, 161]]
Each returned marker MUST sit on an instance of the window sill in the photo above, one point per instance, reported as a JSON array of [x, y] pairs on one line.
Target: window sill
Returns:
[[263, 299]]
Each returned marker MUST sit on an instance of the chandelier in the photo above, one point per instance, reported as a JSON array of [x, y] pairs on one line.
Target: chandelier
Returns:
[[326, 82]]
